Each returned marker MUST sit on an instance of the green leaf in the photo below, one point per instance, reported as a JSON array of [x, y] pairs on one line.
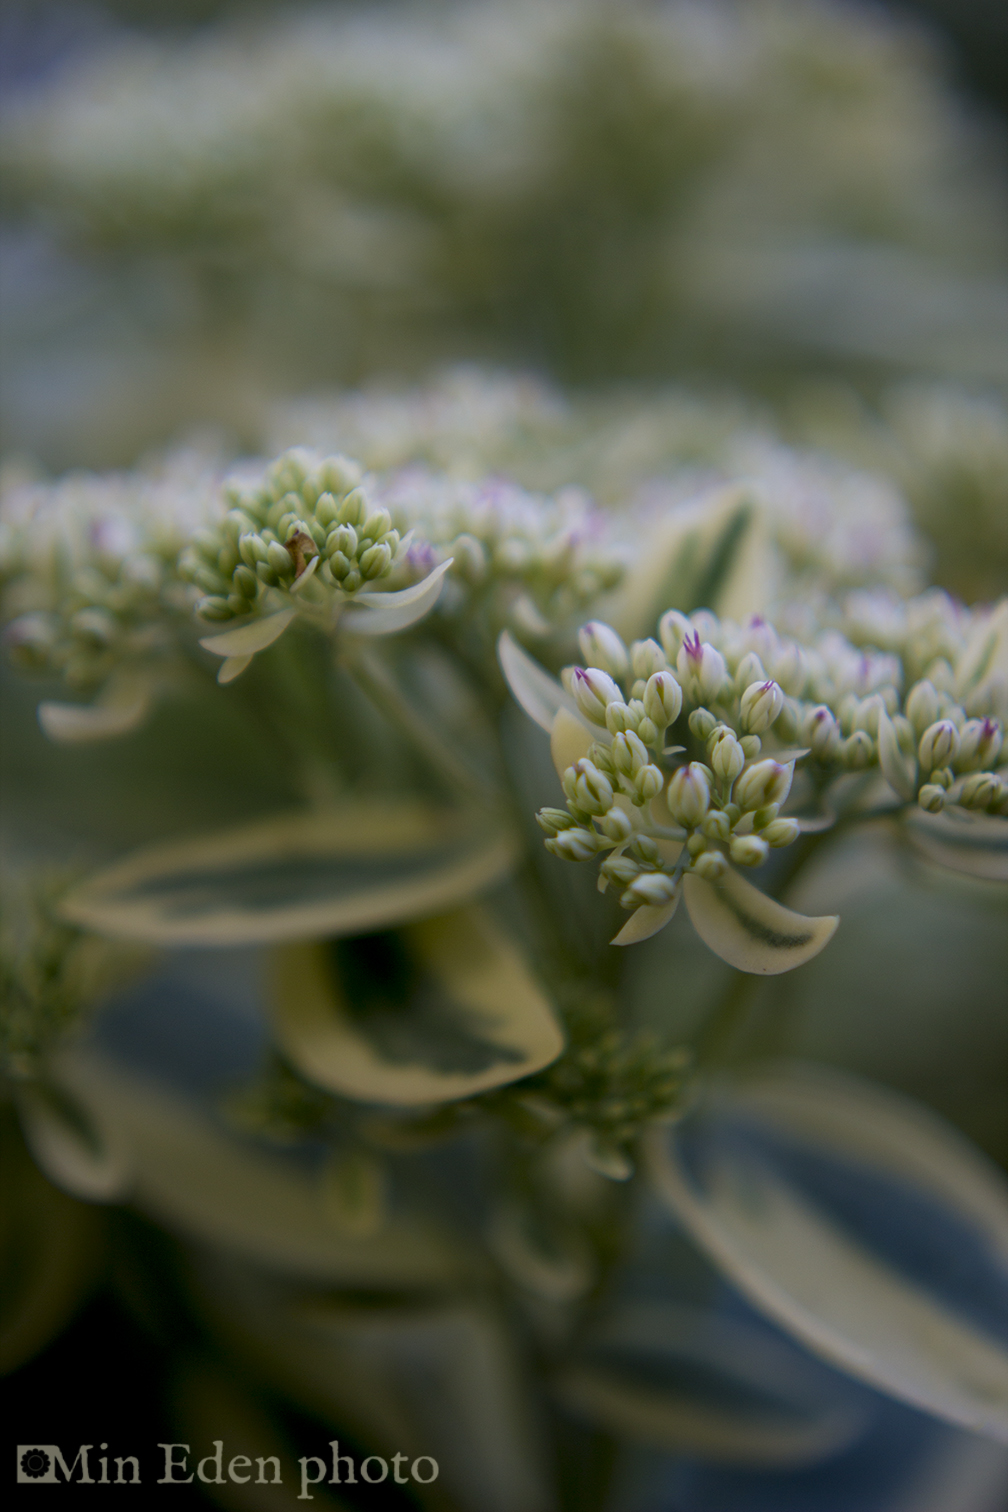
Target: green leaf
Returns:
[[442, 1010], [759, 1403], [312, 872], [749, 930], [822, 1281]]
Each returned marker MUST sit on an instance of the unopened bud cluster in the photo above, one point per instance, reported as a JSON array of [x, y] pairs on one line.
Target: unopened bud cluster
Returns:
[[700, 731], [308, 519]]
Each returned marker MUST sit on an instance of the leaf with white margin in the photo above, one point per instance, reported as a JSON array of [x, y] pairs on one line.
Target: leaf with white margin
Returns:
[[385, 613], [975, 845], [339, 870], [899, 770], [75, 1146], [540, 695], [570, 740], [194, 1176], [246, 640], [647, 920], [121, 707], [751, 931], [628, 1381], [443, 1010], [814, 1275]]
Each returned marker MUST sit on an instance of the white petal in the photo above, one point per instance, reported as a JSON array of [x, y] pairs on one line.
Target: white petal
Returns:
[[751, 931], [250, 638]]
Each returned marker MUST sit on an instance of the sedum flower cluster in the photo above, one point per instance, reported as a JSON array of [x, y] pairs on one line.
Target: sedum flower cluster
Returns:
[[698, 735]]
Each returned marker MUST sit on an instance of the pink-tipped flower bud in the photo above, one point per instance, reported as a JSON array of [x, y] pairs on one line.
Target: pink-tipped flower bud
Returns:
[[701, 668], [763, 783], [646, 658], [939, 745], [662, 699], [593, 691], [761, 703], [673, 629], [980, 741], [749, 850], [727, 757], [688, 795], [819, 729], [602, 647]]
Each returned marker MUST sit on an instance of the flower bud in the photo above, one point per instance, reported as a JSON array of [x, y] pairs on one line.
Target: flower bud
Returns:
[[857, 751], [593, 690], [252, 549], [749, 850], [673, 629], [819, 730], [326, 509], [763, 783], [781, 832], [702, 723], [979, 743], [711, 866], [592, 791], [701, 668], [646, 658], [574, 845], [616, 825], [727, 758], [553, 820], [245, 581], [790, 669], [688, 795], [651, 889], [751, 745], [922, 706], [939, 745], [621, 869], [716, 825], [342, 538], [931, 798], [749, 670], [618, 718], [354, 507], [279, 559], [629, 753], [760, 705], [645, 848], [377, 524], [375, 561], [648, 783], [602, 647], [980, 791], [662, 699]]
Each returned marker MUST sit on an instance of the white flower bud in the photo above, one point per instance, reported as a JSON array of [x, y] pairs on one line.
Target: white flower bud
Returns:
[[375, 561], [252, 549], [673, 629], [711, 865], [376, 525], [749, 670], [593, 690], [617, 825], [701, 668], [618, 718], [702, 724], [939, 745], [781, 832], [342, 538], [922, 706], [245, 581], [761, 703], [326, 509], [751, 745], [857, 751], [602, 647], [931, 798], [819, 730], [688, 795], [790, 669], [651, 889], [979, 743], [553, 820], [629, 753], [763, 783], [727, 758], [648, 783], [592, 791], [279, 559], [646, 658], [749, 850], [648, 731], [354, 508], [980, 791], [716, 825], [662, 699], [574, 845], [621, 869]]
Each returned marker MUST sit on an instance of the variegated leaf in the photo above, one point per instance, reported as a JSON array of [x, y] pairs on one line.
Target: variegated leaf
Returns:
[[647, 920], [332, 871], [751, 931], [385, 613], [539, 694], [246, 640], [439, 1011], [975, 845]]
